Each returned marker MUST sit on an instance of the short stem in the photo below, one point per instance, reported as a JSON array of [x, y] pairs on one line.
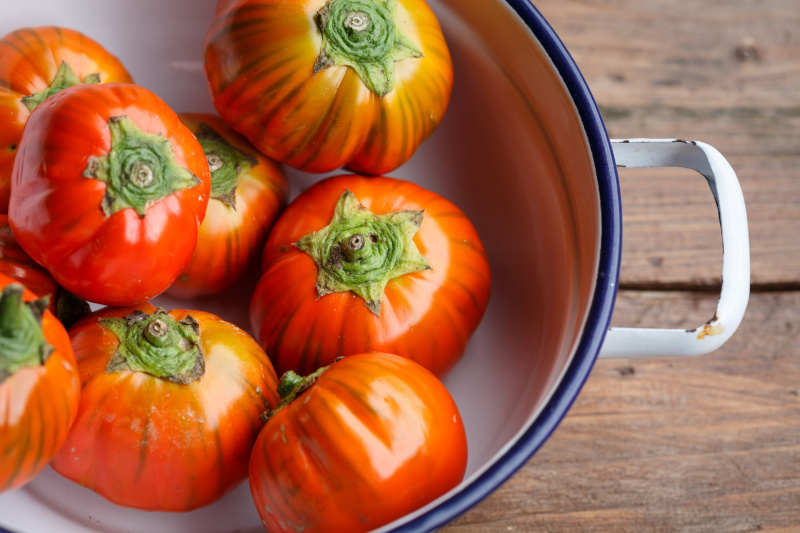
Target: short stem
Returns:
[[22, 341], [157, 333], [357, 21], [141, 174], [352, 245], [10, 309]]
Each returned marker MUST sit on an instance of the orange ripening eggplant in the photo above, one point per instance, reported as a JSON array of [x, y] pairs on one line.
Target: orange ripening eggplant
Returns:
[[370, 264], [36, 63], [39, 384], [323, 84], [170, 407], [356, 445]]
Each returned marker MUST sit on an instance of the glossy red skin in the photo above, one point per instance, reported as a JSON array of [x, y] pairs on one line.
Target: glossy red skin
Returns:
[[150, 444], [55, 212], [231, 239], [374, 438], [427, 316], [259, 62], [37, 406], [29, 60]]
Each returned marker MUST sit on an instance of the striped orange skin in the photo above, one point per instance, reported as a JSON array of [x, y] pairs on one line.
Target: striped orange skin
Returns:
[[55, 212], [374, 438], [150, 444], [230, 239], [13, 115], [29, 60], [426, 316], [37, 406], [30, 57], [259, 59]]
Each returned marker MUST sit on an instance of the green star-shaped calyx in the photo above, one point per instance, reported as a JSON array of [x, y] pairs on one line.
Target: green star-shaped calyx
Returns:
[[363, 35], [158, 345], [361, 252], [65, 77], [226, 162], [139, 170]]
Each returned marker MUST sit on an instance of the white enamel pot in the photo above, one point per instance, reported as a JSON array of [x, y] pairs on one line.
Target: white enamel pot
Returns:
[[524, 152]]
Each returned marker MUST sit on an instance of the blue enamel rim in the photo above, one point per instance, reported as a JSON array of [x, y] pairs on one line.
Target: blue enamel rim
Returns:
[[602, 305]]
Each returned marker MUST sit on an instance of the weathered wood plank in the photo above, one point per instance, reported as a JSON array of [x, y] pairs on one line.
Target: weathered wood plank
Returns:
[[722, 56], [723, 72], [703, 444]]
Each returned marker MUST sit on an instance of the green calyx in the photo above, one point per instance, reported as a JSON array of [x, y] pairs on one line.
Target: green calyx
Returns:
[[65, 77], [360, 251], [22, 342], [363, 35], [158, 345], [139, 170], [226, 162], [291, 385]]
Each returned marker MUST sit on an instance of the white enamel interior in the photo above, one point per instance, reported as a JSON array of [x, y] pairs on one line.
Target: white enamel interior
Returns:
[[510, 152]]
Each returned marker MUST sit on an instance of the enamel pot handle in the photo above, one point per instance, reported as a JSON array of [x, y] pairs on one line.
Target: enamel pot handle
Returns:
[[735, 288]]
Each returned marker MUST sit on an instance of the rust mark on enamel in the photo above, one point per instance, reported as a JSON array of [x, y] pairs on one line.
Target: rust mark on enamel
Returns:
[[710, 330]]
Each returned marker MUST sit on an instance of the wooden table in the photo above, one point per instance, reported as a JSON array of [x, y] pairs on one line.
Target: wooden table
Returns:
[[673, 444]]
